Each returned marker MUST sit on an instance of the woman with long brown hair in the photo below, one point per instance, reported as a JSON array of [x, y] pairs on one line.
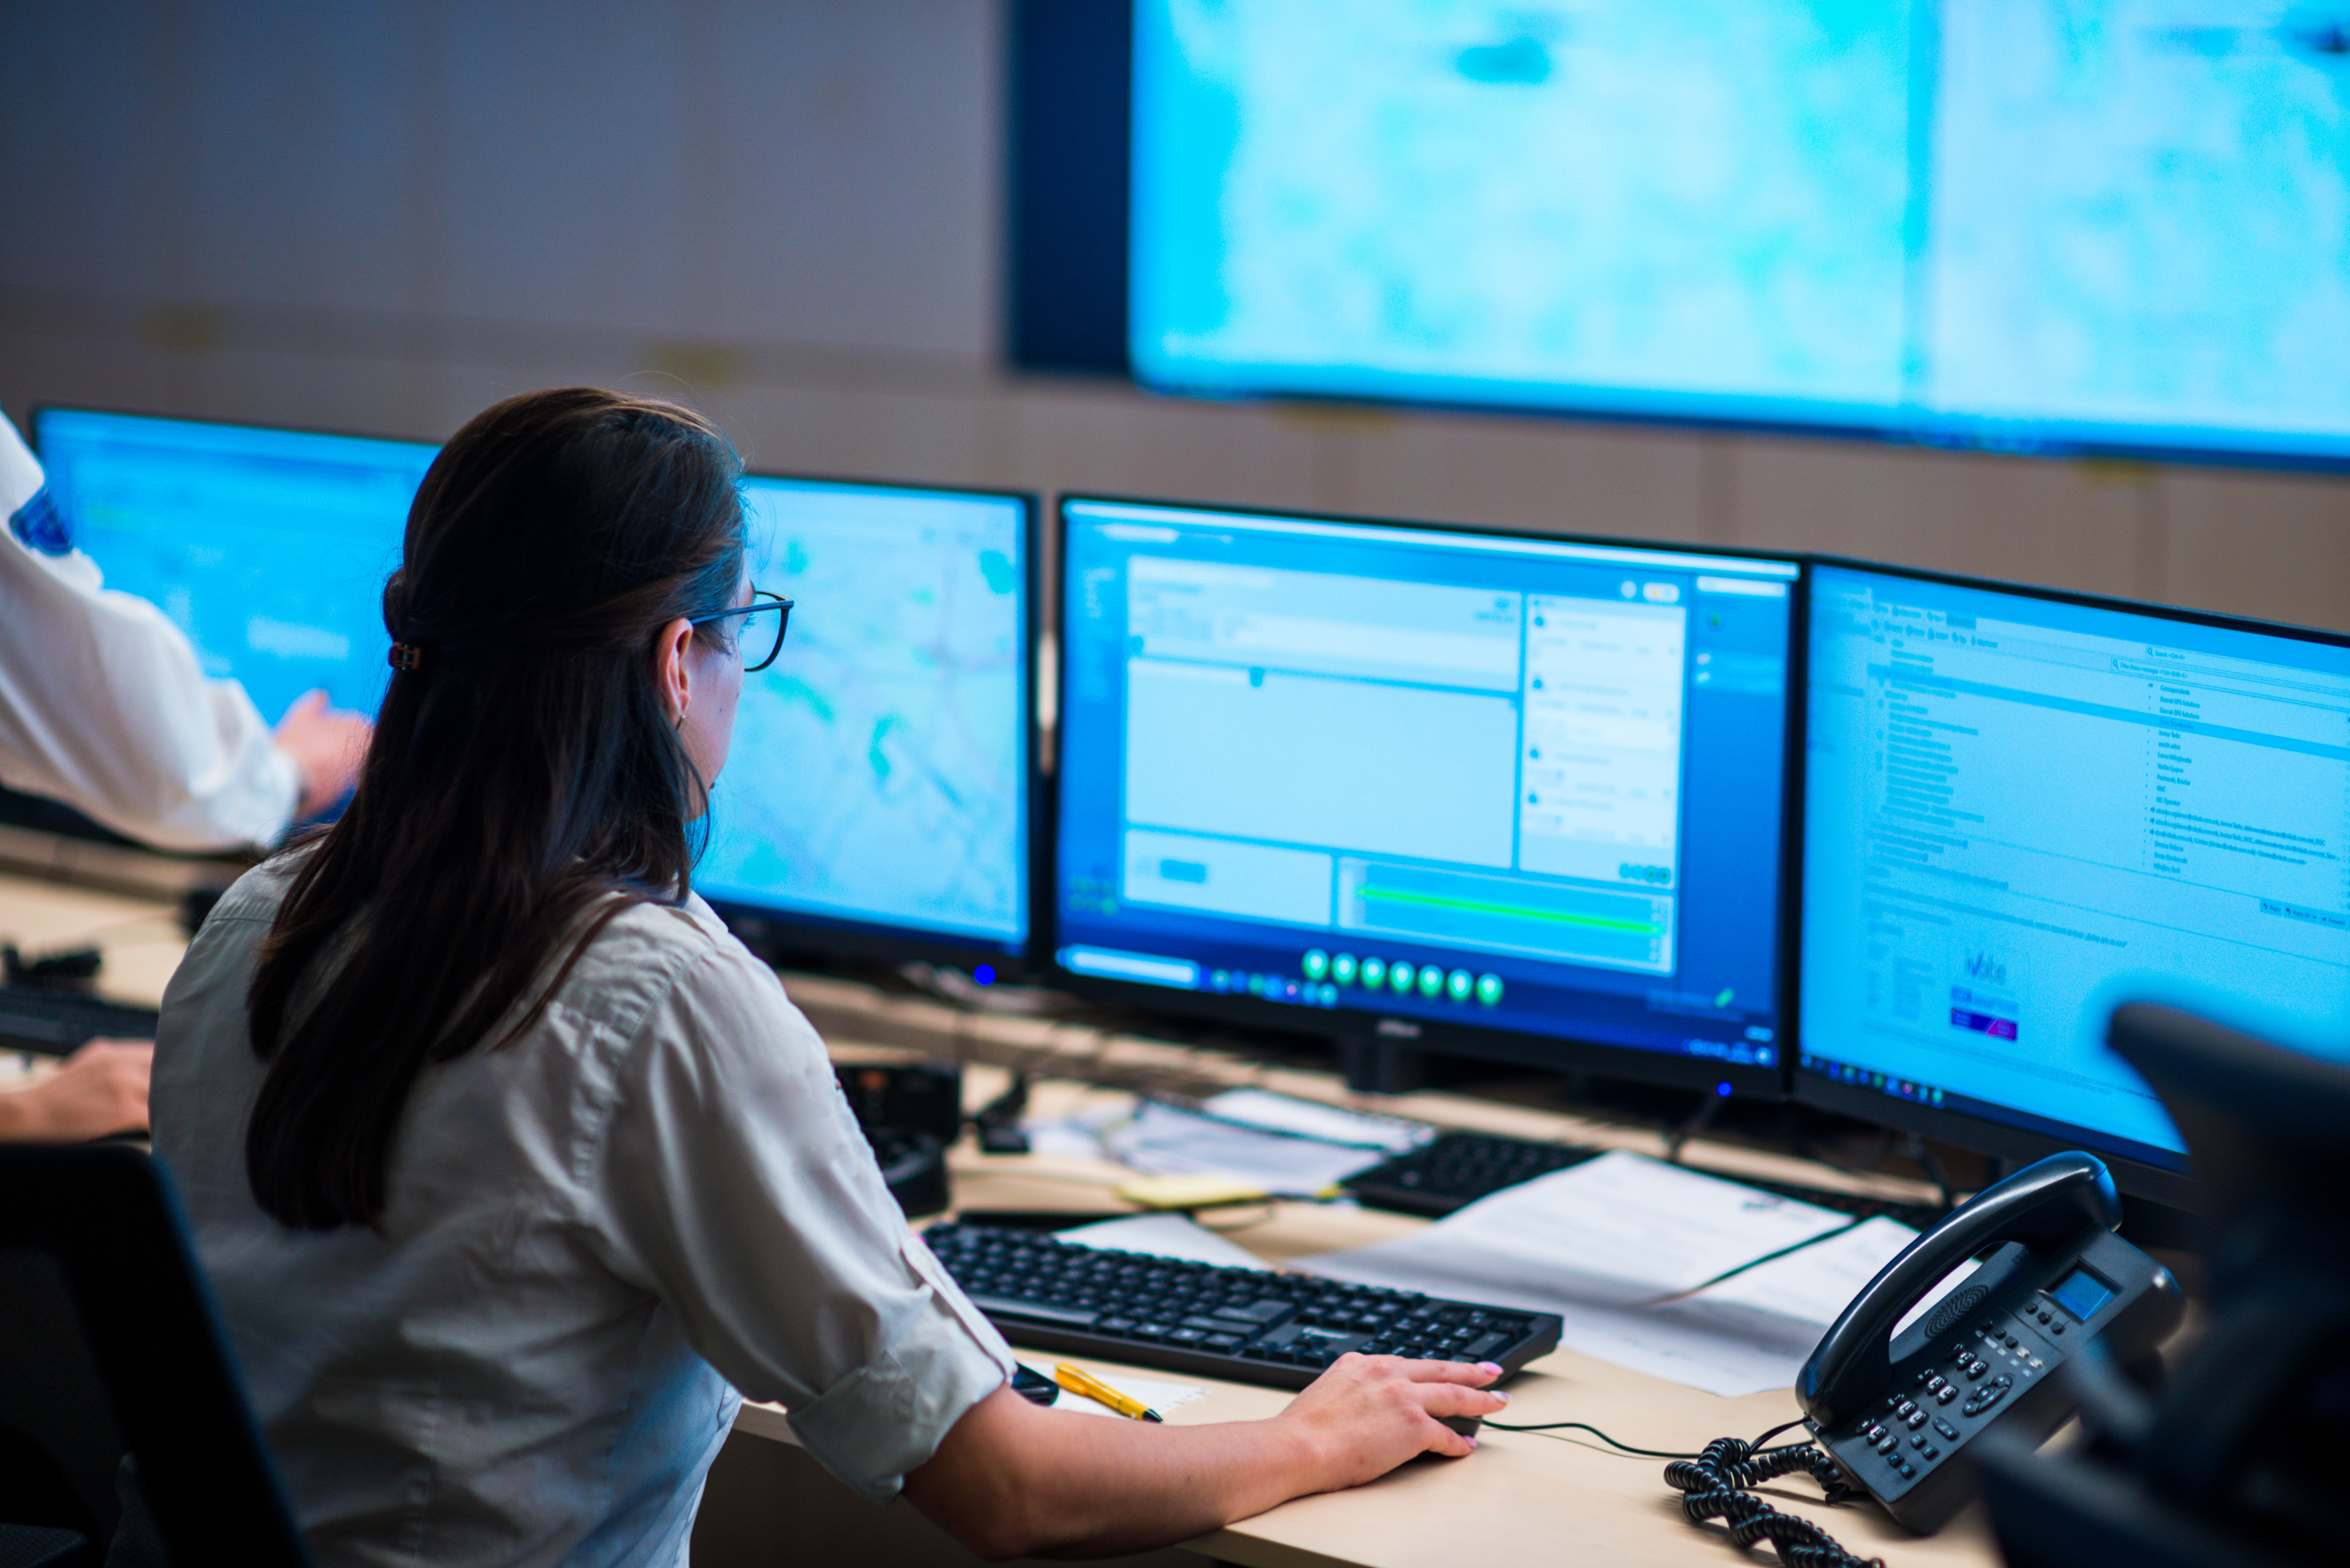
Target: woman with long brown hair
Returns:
[[512, 1167]]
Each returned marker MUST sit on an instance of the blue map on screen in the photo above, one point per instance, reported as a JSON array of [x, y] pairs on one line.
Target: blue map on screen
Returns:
[[269, 547], [879, 769], [2116, 221]]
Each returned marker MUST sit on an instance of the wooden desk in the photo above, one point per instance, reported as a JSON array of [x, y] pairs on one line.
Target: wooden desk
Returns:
[[1522, 1500], [140, 935]]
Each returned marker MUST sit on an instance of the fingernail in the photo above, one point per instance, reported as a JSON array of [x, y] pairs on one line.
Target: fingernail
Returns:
[[1473, 1442], [1488, 1367], [1497, 1394]]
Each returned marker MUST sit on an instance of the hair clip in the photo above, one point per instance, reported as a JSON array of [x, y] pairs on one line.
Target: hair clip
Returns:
[[406, 656]]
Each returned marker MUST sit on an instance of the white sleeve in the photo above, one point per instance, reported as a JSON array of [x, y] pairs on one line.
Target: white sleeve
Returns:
[[103, 705], [739, 1191]]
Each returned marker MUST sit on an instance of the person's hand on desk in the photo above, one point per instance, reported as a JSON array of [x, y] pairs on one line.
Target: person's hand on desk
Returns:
[[101, 1089], [1016, 1479]]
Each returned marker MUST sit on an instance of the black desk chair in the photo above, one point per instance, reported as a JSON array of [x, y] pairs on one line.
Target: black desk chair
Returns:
[[111, 1348]]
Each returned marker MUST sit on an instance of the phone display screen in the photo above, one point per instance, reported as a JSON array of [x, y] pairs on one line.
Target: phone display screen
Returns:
[[2081, 1293]]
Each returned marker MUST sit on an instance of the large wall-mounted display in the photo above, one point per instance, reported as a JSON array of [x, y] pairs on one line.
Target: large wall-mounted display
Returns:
[[2117, 225]]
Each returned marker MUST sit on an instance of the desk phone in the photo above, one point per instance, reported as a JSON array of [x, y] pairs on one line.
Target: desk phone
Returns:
[[1897, 1417]]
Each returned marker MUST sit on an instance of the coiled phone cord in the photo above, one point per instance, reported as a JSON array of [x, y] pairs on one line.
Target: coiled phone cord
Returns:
[[1718, 1482]]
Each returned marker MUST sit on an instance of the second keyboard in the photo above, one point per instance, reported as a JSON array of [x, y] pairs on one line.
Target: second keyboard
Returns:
[[1460, 1167]]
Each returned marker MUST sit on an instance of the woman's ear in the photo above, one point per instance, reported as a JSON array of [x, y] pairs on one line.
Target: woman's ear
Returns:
[[672, 672]]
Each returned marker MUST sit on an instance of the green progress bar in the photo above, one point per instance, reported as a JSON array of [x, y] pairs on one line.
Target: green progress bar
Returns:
[[1479, 906]]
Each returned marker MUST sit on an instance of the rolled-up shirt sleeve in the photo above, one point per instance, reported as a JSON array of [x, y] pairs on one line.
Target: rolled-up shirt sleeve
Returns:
[[738, 1189]]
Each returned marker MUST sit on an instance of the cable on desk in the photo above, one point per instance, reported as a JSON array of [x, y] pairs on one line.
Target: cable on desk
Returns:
[[1545, 1427], [1719, 1482], [1754, 1263]]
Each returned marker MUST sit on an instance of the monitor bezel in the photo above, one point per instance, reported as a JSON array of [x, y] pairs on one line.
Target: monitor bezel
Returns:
[[790, 938], [2135, 1174], [1347, 1027]]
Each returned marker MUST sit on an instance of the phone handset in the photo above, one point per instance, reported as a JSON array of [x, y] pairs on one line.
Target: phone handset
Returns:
[[1895, 1410], [2041, 1206]]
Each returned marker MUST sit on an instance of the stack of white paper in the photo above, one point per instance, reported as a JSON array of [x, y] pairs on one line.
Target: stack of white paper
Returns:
[[1605, 1243], [1162, 1140], [1269, 1112]]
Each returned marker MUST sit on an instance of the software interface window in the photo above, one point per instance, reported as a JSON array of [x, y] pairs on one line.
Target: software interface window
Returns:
[[1517, 782], [269, 547], [879, 771], [2022, 813]]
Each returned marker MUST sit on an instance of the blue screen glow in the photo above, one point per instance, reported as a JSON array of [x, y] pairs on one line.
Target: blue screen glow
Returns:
[[2019, 223], [269, 547], [2022, 813], [1520, 784], [2082, 1293], [879, 772]]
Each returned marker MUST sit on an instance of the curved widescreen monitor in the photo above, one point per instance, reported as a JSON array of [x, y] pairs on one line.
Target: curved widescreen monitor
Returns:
[[2021, 809], [1509, 796], [2021, 224], [876, 799]]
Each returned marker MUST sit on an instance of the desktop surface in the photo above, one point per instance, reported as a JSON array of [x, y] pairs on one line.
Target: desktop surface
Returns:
[[2022, 810], [879, 780], [269, 547], [1475, 787]]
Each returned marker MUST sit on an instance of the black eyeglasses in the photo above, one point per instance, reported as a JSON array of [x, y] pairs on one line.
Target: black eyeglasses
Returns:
[[751, 636]]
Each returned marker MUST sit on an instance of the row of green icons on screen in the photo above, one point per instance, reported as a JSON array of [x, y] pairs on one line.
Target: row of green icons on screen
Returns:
[[1431, 979]]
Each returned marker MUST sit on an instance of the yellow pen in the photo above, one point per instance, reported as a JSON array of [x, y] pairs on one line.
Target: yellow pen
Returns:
[[1077, 1380]]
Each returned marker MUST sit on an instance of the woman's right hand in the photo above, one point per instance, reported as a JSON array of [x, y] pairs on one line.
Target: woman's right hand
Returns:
[[1013, 1479], [1368, 1414]]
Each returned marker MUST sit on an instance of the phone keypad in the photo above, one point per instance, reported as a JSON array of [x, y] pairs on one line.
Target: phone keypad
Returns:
[[1985, 1362]]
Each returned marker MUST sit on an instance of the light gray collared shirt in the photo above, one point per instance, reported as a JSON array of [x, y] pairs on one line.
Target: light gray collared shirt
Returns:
[[655, 1192]]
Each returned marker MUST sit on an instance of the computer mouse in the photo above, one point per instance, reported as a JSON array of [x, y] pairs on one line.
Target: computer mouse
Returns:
[[1465, 1425]]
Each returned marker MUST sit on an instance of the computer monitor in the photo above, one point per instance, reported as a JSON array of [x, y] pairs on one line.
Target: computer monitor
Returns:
[[876, 802], [2023, 808], [269, 547], [1508, 796]]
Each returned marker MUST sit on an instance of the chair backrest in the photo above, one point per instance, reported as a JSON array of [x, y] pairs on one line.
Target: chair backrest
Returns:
[[110, 1344]]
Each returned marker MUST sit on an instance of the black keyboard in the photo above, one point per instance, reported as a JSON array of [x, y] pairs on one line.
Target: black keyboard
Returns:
[[1460, 1167], [1247, 1326], [55, 1021]]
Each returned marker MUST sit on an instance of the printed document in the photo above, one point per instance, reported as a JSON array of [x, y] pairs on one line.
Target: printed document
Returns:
[[1620, 1247]]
